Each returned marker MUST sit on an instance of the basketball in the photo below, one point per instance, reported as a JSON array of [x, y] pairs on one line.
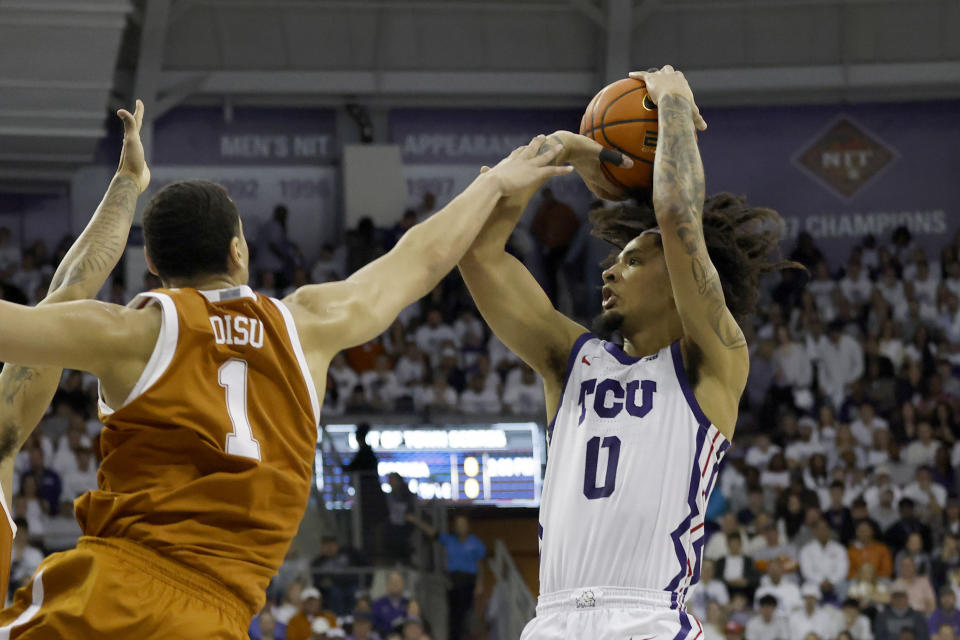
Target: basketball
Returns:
[[622, 117]]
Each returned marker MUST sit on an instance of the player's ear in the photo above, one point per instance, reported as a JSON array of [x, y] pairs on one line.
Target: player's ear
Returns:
[[236, 252]]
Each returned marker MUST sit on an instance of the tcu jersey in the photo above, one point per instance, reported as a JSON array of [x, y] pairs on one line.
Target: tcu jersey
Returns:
[[631, 465], [209, 459]]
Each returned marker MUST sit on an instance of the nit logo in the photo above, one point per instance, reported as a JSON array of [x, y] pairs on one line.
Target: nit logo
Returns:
[[585, 361], [844, 157]]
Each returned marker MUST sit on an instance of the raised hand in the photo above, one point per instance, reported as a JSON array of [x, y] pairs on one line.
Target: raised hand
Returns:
[[669, 80], [525, 167], [132, 159], [587, 156]]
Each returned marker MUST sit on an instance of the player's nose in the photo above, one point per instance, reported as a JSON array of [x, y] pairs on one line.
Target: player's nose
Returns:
[[610, 274]]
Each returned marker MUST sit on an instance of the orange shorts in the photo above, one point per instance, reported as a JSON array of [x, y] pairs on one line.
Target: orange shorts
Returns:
[[112, 588]]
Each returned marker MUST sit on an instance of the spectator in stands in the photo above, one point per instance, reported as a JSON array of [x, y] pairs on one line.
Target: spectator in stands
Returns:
[[437, 396], [776, 548], [854, 622], [841, 364], [926, 494], [914, 551], [83, 477], [26, 557], [392, 607], [477, 398], [328, 572], [811, 618], [865, 549], [28, 279], [856, 285], [923, 450], [363, 627], [411, 367], [869, 590], [947, 613], [380, 386], [555, 226], [899, 617], [433, 335], [946, 562], [398, 528], [525, 395], [273, 252], [709, 590], [918, 588], [784, 589], [908, 523], [767, 625], [824, 562], [265, 627], [794, 368], [311, 608], [49, 486], [737, 570], [718, 544]]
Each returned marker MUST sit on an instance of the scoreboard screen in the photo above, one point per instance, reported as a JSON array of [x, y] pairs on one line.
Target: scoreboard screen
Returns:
[[484, 464]]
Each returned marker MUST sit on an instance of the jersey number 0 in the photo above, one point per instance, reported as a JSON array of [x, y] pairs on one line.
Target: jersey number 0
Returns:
[[233, 378], [590, 488]]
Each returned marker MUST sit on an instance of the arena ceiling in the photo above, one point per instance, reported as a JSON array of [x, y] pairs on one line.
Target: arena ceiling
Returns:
[[64, 63]]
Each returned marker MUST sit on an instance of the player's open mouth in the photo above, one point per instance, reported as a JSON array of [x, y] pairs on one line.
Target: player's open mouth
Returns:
[[609, 298]]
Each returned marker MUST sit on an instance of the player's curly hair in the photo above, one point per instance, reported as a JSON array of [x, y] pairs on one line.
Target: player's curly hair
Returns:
[[743, 242]]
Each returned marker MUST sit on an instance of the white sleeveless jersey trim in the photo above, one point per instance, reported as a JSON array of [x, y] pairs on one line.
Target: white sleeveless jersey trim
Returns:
[[301, 357], [162, 354], [571, 361], [6, 511], [639, 524]]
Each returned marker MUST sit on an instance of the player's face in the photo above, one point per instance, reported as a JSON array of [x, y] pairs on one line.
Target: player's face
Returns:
[[637, 286]]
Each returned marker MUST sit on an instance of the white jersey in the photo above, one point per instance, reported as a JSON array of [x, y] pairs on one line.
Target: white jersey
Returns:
[[631, 465]]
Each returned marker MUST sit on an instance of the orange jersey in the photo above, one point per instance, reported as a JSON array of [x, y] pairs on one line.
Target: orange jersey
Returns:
[[209, 461], [7, 531]]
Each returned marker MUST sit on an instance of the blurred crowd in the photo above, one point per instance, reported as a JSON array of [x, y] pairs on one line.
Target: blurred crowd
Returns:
[[836, 516]]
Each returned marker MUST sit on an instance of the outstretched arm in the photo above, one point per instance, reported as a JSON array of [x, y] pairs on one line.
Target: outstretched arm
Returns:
[[334, 316], [509, 297], [25, 392], [678, 195]]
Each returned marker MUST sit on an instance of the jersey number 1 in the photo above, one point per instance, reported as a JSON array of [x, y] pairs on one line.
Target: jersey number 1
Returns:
[[590, 488], [233, 378]]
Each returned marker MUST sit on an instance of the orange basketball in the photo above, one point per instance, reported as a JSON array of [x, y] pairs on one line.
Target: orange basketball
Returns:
[[622, 117]]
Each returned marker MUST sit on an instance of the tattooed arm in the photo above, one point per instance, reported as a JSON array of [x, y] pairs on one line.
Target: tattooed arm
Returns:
[[25, 392], [712, 339]]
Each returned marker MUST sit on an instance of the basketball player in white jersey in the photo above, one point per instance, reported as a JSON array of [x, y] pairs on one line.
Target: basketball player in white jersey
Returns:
[[638, 431], [26, 392]]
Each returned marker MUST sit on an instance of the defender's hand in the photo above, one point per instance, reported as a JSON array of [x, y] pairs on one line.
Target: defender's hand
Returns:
[[524, 168], [668, 80], [132, 159], [587, 156]]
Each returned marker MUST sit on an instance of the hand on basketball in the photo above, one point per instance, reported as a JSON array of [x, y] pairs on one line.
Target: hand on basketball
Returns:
[[525, 168], [132, 159], [587, 157], [668, 80]]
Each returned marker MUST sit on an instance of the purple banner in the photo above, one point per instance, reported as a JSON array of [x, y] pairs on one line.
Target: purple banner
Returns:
[[470, 136], [836, 172], [252, 136]]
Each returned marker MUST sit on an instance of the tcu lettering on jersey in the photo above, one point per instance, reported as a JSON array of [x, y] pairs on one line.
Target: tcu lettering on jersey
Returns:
[[631, 466]]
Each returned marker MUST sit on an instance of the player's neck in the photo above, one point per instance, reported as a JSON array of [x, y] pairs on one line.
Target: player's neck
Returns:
[[651, 339], [222, 281]]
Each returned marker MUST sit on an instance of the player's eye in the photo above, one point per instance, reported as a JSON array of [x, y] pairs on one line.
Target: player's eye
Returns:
[[633, 262]]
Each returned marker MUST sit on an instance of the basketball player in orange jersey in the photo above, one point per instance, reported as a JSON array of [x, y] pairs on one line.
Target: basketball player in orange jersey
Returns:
[[622, 529], [209, 395], [25, 393]]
